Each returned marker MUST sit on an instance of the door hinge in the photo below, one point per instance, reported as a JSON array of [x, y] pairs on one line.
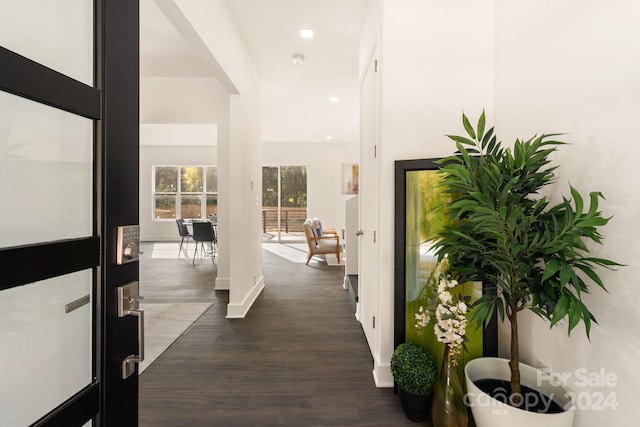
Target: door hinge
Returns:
[[375, 151], [357, 299], [374, 236], [374, 322], [375, 66]]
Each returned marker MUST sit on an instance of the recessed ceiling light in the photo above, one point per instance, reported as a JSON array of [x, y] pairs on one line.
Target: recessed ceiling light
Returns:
[[328, 137], [334, 99], [306, 33], [297, 59]]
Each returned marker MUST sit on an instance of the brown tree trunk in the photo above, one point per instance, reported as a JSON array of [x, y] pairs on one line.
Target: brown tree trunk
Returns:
[[514, 363]]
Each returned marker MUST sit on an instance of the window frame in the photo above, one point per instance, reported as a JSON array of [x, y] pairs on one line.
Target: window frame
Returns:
[[179, 194]]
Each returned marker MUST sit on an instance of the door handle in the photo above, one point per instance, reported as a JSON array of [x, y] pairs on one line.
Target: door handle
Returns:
[[359, 233], [129, 305]]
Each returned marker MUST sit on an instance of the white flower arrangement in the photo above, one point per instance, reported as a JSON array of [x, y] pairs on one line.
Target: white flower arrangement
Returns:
[[450, 313]]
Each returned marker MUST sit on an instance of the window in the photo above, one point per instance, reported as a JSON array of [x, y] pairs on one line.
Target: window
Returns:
[[190, 191], [284, 202]]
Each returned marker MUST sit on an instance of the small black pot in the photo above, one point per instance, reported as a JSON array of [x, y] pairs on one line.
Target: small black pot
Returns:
[[416, 406]]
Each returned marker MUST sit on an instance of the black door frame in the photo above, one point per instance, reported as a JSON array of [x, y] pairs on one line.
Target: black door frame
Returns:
[[118, 141], [114, 105]]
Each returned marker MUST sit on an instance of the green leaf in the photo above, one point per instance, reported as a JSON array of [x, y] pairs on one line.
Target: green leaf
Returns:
[[500, 305], [594, 195], [481, 124], [592, 222], [560, 311], [592, 274], [487, 137], [461, 139], [603, 262], [553, 265], [565, 274], [575, 313], [577, 200], [587, 316], [481, 313], [468, 127]]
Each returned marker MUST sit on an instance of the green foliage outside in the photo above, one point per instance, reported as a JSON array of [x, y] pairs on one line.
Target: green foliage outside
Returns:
[[270, 186], [166, 179], [293, 187], [191, 179]]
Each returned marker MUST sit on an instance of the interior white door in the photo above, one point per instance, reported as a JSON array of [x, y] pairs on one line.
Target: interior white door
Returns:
[[368, 196]]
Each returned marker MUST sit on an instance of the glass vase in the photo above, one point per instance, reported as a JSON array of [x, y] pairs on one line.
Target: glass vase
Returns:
[[448, 408]]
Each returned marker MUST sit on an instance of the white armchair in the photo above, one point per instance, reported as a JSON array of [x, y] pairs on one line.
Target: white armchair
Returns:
[[327, 242]]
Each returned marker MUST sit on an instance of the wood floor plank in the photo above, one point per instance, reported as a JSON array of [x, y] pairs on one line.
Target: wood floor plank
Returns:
[[299, 358]]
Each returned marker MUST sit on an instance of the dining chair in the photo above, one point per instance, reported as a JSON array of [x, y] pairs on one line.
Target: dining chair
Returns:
[[183, 231], [203, 232]]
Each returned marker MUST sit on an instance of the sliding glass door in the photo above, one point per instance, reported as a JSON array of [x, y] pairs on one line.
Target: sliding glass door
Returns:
[[284, 202]]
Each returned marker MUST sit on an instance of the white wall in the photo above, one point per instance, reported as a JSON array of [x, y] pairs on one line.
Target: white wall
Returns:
[[181, 99], [436, 59], [576, 74], [580, 75]]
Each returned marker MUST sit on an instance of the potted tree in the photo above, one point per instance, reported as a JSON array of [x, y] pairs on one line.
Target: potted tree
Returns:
[[415, 372], [532, 253]]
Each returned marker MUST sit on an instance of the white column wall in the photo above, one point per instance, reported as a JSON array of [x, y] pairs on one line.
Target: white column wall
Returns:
[[240, 160], [436, 59], [580, 74]]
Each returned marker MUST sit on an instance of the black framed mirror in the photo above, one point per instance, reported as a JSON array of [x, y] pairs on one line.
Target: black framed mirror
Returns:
[[417, 197]]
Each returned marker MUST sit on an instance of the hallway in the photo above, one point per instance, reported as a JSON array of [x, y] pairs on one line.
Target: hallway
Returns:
[[299, 358]]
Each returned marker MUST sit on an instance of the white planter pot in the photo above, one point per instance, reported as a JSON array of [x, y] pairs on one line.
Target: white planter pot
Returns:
[[490, 412]]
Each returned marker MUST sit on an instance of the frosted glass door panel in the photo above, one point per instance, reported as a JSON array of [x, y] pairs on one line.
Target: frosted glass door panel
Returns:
[[46, 352], [46, 173], [56, 33]]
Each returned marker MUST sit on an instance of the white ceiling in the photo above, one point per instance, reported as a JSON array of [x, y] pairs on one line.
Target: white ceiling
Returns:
[[296, 106]]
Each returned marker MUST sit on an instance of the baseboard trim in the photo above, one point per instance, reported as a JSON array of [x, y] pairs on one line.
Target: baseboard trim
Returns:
[[221, 284], [239, 311], [382, 374]]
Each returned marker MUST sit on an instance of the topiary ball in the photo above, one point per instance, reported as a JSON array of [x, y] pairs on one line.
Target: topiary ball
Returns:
[[414, 368]]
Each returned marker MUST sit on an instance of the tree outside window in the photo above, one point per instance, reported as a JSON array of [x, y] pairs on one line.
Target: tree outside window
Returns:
[[191, 191]]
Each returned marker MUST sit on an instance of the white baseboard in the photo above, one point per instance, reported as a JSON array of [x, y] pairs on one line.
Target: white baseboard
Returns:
[[221, 284], [239, 311], [382, 375]]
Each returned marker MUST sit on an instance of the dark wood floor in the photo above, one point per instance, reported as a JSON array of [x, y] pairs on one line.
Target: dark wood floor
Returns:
[[299, 358]]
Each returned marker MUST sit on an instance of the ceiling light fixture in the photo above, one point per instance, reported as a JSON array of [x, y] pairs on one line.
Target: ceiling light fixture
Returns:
[[297, 59], [328, 137], [306, 33], [334, 99]]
